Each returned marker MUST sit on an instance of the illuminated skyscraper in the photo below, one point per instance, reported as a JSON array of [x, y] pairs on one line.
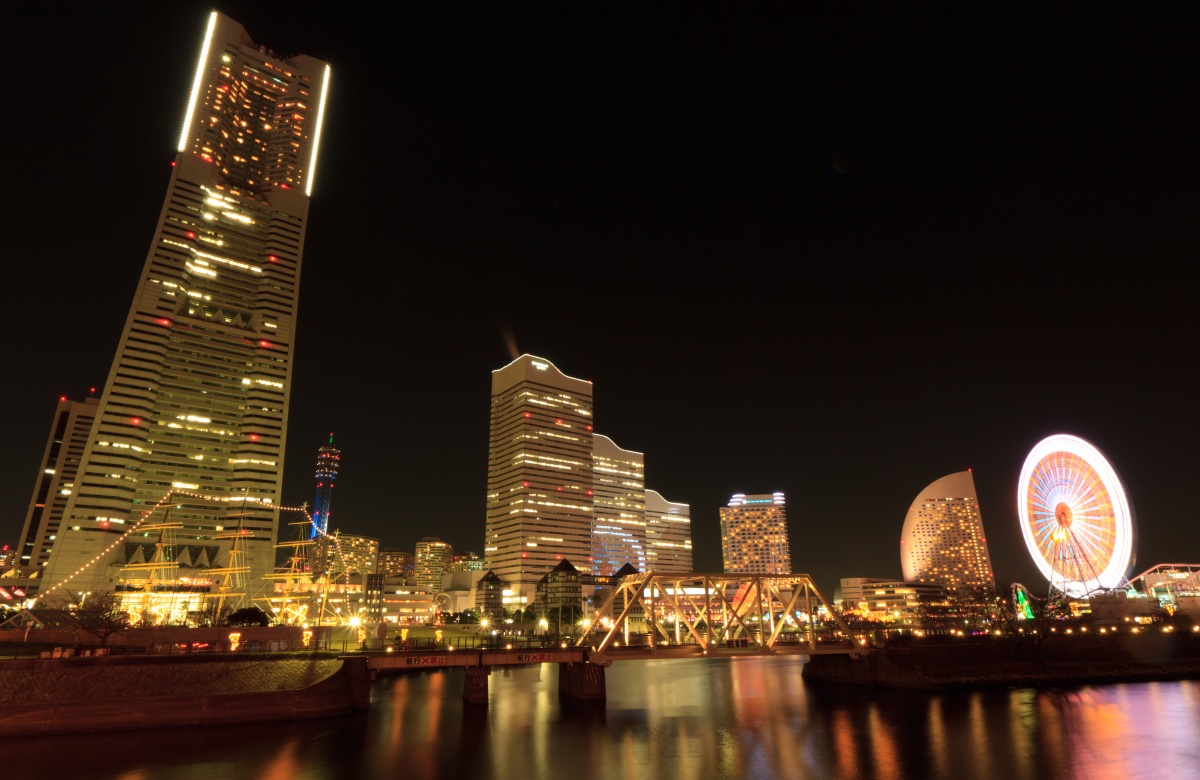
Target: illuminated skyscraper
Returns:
[[327, 471], [337, 553], [668, 535], [539, 494], [196, 403], [618, 507], [754, 534], [394, 562], [73, 421], [943, 540], [432, 561]]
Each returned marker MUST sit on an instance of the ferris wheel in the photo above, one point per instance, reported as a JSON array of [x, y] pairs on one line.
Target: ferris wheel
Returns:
[[1075, 517]]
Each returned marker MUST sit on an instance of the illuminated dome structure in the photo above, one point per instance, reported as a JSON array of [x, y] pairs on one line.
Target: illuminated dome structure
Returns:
[[1075, 517]]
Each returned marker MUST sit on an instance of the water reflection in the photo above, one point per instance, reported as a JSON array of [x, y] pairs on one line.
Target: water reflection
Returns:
[[684, 719]]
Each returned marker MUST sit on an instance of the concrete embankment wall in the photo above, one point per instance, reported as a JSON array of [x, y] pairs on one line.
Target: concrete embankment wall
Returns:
[[162, 637], [96, 694], [984, 662]]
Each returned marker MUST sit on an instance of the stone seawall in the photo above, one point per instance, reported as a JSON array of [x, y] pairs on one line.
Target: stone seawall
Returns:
[[973, 664], [96, 694]]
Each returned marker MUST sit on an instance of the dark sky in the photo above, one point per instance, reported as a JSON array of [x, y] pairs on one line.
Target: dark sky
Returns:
[[834, 249]]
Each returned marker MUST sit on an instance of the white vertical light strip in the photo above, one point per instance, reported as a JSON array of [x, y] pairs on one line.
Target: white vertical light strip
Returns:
[[316, 142], [187, 118]]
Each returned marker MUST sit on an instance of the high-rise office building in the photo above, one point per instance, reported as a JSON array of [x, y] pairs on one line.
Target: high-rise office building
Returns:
[[618, 507], [668, 535], [336, 554], [394, 562], [327, 471], [943, 540], [754, 534], [432, 561], [540, 484], [73, 422], [196, 403]]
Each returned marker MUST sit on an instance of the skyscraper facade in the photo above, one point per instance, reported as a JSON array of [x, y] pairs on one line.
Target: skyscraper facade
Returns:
[[431, 562], [196, 402], [618, 507], [394, 562], [754, 534], [943, 540], [337, 554], [73, 422], [327, 471], [668, 535], [540, 482]]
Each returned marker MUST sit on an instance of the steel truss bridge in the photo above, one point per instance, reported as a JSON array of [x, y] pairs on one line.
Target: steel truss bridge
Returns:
[[649, 615], [674, 615]]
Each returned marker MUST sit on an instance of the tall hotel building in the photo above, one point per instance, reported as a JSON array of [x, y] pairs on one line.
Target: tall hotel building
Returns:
[[668, 535], [754, 534], [196, 402], [540, 482], [943, 541], [73, 422], [618, 507]]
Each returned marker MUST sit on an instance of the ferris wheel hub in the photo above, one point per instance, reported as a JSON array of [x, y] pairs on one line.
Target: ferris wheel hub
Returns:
[[1062, 513]]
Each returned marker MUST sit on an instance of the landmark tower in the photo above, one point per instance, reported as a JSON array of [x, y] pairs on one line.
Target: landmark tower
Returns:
[[195, 408]]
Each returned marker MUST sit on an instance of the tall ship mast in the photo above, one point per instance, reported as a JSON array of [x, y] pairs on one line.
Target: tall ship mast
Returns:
[[291, 585], [235, 573], [150, 590]]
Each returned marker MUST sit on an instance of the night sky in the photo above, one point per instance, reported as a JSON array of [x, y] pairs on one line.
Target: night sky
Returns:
[[834, 249]]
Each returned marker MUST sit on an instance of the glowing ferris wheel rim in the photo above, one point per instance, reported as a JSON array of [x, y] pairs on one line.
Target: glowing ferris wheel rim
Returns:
[[1075, 517]]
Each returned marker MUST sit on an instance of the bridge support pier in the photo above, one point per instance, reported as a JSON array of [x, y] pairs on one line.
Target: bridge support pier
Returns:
[[582, 681], [475, 684]]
